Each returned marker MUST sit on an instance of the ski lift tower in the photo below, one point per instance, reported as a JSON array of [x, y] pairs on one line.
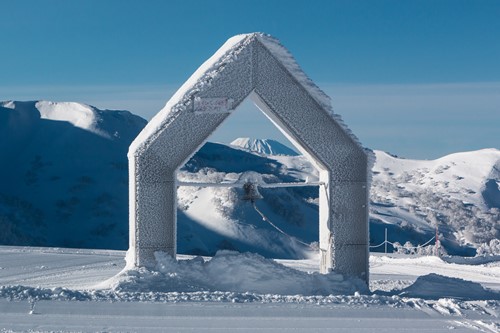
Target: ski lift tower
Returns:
[[256, 66]]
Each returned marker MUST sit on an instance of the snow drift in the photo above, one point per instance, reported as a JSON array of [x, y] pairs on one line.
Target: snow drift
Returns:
[[230, 271], [435, 286]]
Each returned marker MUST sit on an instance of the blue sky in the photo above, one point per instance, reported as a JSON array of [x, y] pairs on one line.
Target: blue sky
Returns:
[[417, 78]]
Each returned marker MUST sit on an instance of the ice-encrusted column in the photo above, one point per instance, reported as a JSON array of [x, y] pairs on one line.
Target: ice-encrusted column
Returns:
[[171, 138], [304, 115]]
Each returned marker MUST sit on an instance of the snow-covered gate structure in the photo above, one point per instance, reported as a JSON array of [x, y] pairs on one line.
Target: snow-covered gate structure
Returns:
[[258, 66]]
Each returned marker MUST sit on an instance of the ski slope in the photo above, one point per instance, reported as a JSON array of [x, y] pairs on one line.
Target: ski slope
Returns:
[[63, 288]]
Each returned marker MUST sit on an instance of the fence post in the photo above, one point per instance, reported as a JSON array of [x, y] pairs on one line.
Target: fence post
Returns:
[[436, 244], [385, 242]]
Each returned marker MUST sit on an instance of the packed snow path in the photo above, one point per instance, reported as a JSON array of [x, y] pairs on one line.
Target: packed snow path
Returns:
[[28, 273]]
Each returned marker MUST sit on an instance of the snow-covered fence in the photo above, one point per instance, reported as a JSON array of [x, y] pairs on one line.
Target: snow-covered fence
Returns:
[[409, 248]]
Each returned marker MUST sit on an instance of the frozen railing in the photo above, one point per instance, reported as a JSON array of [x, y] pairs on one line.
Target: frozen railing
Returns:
[[386, 242]]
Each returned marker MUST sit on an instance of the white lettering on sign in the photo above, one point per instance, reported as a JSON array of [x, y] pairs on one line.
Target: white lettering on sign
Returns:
[[213, 105]]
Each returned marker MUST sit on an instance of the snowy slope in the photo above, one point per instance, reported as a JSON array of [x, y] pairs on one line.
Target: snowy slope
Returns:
[[459, 193], [213, 218], [63, 174], [64, 183], [263, 146], [467, 176]]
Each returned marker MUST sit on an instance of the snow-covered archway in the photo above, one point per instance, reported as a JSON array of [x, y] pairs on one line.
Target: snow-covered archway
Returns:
[[259, 66]]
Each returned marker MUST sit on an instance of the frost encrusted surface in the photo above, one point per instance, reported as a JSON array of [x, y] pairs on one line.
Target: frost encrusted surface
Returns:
[[183, 98], [287, 59], [253, 65], [203, 76]]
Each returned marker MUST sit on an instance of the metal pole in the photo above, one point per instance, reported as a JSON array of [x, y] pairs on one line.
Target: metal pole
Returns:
[[437, 243], [385, 243]]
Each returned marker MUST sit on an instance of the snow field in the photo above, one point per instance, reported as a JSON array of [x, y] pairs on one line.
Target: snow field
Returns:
[[100, 271], [228, 293]]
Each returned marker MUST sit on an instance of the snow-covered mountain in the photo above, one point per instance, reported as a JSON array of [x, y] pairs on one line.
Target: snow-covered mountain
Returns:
[[263, 146], [214, 218], [63, 176], [459, 193], [64, 182]]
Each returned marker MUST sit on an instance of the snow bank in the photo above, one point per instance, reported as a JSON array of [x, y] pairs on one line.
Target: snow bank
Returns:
[[230, 271], [63, 267], [442, 306], [434, 286]]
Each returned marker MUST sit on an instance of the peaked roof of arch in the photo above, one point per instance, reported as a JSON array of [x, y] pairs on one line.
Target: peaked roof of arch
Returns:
[[201, 80]]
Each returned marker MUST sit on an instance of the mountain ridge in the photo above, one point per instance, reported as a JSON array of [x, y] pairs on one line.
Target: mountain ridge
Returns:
[[65, 183], [263, 146]]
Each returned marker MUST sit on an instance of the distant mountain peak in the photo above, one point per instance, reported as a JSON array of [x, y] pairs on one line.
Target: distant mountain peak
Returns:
[[264, 146], [105, 123]]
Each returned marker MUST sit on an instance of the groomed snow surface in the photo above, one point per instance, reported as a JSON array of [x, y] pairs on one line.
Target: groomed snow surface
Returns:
[[91, 290]]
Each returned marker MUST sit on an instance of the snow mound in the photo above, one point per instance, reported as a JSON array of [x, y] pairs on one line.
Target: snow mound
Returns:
[[434, 286], [230, 271], [264, 146]]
